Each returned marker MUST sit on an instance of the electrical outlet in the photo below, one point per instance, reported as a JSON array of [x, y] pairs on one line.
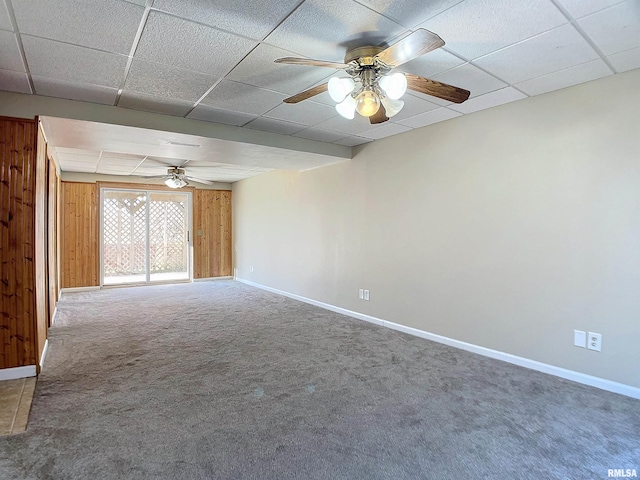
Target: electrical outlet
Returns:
[[361, 294], [366, 295], [580, 338], [594, 341]]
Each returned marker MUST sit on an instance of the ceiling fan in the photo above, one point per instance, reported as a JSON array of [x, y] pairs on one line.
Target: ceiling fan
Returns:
[[372, 90], [176, 177]]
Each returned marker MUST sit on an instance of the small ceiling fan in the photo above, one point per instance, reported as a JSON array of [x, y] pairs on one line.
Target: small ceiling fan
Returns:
[[372, 90], [177, 178]]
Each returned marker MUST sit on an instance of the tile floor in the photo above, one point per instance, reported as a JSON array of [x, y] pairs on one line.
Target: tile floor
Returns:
[[15, 404]]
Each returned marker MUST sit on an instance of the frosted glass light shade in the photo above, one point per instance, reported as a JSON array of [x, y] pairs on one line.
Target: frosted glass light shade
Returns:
[[339, 88], [175, 182], [394, 85], [367, 103], [347, 108], [392, 107]]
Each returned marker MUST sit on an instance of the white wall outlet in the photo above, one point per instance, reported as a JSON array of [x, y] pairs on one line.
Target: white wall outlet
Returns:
[[251, 268], [366, 295], [580, 338], [594, 341], [361, 294]]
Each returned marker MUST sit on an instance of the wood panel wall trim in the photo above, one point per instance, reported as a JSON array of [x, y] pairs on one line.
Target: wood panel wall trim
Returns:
[[142, 186], [18, 330], [212, 233], [80, 253], [41, 273]]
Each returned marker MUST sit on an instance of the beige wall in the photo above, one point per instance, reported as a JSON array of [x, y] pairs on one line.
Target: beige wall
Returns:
[[507, 228]]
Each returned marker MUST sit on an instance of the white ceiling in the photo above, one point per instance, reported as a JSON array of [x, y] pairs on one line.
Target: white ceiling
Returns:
[[213, 61]]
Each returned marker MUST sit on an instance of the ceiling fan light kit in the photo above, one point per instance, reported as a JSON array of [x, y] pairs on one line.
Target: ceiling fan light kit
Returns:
[[176, 177], [175, 182], [372, 90]]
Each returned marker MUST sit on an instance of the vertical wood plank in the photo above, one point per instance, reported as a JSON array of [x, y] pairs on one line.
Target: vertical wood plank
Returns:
[[40, 243], [212, 250], [17, 222], [79, 239]]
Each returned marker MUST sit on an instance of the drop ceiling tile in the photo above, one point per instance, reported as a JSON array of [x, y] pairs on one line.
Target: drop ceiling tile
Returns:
[[242, 98], [113, 171], [346, 127], [476, 27], [565, 78], [410, 13], [127, 157], [180, 43], [488, 100], [432, 63], [77, 151], [413, 105], [305, 113], [147, 103], [14, 81], [580, 8], [319, 135], [353, 141], [218, 115], [109, 25], [385, 130], [5, 21], [560, 48], [259, 69], [164, 81], [84, 92], [326, 29], [79, 168], [434, 116], [274, 126], [71, 63], [80, 158], [251, 18], [10, 58], [471, 78], [625, 61], [615, 29]]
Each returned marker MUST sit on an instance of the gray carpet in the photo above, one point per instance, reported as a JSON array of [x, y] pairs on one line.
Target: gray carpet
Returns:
[[222, 380]]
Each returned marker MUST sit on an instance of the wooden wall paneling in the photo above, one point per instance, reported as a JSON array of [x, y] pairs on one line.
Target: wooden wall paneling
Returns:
[[17, 249], [212, 249], [41, 250], [227, 247], [80, 249], [52, 240]]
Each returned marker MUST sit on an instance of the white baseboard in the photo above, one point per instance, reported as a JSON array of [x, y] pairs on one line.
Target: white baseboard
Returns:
[[212, 279], [601, 383], [44, 352], [77, 289], [17, 372], [53, 317]]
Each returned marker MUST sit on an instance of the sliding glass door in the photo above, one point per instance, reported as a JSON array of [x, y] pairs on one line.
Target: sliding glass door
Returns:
[[145, 236]]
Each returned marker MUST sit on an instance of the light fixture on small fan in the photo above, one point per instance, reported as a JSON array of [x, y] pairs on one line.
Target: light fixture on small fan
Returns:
[[372, 90], [176, 177], [175, 182]]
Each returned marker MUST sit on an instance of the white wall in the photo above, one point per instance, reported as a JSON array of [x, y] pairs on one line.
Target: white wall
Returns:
[[507, 228]]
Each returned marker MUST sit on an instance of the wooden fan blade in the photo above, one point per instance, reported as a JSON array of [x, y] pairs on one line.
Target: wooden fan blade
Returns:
[[379, 117], [155, 176], [413, 45], [437, 89], [199, 180], [310, 62], [307, 94]]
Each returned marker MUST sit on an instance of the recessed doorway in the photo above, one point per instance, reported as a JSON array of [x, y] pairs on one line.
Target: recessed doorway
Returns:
[[144, 236]]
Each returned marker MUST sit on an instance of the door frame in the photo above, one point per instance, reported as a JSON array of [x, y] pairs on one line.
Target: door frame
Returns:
[[132, 187]]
